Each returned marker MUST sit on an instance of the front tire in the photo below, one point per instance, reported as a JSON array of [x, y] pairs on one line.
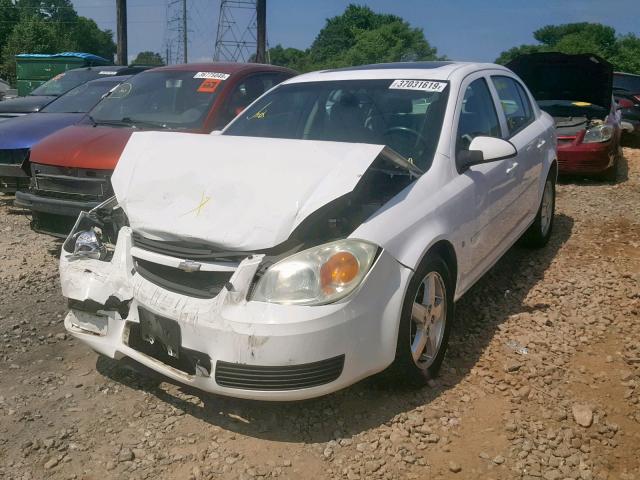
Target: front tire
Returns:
[[538, 234], [425, 324]]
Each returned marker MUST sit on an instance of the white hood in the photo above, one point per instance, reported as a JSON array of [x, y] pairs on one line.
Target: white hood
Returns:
[[239, 193]]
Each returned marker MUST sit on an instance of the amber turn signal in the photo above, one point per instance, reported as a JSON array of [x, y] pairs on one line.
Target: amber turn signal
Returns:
[[339, 270]]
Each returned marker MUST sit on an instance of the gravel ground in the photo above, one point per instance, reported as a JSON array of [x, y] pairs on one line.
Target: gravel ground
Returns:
[[542, 380]]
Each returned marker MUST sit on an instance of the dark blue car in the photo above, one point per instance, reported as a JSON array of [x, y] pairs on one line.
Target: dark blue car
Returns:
[[20, 134]]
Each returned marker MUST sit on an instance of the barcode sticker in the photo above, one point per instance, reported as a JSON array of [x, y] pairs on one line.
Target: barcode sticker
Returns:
[[424, 85], [215, 75]]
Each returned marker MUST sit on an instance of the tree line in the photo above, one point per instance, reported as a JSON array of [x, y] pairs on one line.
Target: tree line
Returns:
[[358, 36], [47, 26]]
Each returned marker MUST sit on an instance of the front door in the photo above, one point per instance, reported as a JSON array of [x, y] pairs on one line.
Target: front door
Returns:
[[489, 186]]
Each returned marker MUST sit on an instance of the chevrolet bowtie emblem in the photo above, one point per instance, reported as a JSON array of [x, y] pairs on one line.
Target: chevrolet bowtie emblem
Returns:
[[189, 266]]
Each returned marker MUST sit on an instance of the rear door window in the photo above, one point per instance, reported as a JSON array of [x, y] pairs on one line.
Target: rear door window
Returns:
[[515, 103]]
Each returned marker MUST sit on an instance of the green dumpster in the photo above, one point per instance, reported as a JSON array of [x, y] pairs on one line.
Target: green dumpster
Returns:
[[33, 69]]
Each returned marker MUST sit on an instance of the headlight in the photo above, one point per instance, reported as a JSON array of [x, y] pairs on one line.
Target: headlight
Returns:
[[88, 244], [319, 275], [95, 233], [597, 134]]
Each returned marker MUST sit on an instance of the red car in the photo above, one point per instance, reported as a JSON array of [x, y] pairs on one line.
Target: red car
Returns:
[[71, 169], [577, 91]]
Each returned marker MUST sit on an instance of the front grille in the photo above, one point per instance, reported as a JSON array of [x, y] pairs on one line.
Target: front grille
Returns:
[[285, 377], [193, 284], [14, 156], [190, 250], [71, 183]]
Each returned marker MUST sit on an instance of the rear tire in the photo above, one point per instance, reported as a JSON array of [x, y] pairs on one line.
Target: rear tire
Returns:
[[425, 323], [538, 234]]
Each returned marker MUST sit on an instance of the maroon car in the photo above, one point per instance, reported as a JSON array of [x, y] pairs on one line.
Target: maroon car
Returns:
[[577, 91], [71, 169]]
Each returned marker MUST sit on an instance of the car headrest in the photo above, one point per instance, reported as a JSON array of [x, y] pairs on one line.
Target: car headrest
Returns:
[[394, 104]]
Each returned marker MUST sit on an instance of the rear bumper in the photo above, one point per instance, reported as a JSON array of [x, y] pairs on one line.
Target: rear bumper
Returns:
[[49, 205], [586, 158]]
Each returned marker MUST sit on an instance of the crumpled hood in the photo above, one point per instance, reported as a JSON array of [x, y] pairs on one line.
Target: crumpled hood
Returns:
[[23, 132], [238, 193], [27, 104], [82, 146], [559, 76]]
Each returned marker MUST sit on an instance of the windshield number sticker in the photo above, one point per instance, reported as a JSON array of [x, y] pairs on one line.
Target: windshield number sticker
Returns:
[[423, 85], [107, 72], [213, 75], [209, 85]]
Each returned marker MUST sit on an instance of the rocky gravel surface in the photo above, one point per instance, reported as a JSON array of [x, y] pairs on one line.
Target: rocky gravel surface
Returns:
[[542, 380]]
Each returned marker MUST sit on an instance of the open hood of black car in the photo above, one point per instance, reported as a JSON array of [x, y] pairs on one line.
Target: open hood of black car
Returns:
[[558, 76]]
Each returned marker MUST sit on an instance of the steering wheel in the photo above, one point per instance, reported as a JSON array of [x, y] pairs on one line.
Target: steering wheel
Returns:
[[406, 130]]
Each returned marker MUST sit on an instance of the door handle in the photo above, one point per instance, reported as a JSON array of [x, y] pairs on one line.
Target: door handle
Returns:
[[541, 143], [513, 166]]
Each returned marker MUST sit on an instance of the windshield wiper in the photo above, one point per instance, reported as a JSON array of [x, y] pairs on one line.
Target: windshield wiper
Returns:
[[145, 123], [117, 123]]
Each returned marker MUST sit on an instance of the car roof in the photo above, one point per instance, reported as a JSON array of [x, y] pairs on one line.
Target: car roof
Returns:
[[231, 68], [437, 70], [118, 69], [111, 78], [626, 74]]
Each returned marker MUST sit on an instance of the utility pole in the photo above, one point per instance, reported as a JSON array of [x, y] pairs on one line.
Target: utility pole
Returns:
[[121, 14], [184, 29], [261, 14]]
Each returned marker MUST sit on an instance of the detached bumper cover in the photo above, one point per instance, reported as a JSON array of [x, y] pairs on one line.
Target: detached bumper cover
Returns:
[[231, 346]]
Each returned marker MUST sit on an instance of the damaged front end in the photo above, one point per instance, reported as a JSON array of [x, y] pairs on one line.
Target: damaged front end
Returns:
[[93, 268], [285, 321]]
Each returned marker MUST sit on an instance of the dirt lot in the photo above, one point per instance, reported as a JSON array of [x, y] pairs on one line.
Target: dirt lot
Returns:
[[542, 380]]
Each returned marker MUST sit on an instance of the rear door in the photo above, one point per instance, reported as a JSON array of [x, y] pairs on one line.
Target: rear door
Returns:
[[526, 135]]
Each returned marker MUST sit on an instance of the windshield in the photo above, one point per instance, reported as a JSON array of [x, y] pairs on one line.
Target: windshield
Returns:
[[165, 99], [405, 115], [64, 82], [82, 98]]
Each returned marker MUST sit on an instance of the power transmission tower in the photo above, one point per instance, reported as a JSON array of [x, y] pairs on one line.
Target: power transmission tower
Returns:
[[237, 35], [176, 32]]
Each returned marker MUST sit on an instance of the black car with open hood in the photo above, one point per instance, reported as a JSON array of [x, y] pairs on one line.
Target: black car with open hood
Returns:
[[558, 76]]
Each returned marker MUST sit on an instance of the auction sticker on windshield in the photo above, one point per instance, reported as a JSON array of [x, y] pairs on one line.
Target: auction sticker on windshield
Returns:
[[424, 85], [214, 75], [209, 85]]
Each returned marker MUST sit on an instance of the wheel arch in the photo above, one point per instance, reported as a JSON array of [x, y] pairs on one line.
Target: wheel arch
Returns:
[[445, 250]]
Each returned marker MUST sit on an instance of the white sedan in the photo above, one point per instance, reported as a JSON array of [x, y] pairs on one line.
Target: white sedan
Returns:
[[324, 236]]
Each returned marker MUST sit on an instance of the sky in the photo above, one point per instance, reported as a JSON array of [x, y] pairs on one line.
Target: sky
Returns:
[[471, 30]]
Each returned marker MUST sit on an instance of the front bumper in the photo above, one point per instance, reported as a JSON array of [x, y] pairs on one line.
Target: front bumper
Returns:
[[262, 340], [52, 205], [586, 158]]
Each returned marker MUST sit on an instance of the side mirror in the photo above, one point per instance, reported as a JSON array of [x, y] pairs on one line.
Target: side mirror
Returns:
[[484, 150]]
